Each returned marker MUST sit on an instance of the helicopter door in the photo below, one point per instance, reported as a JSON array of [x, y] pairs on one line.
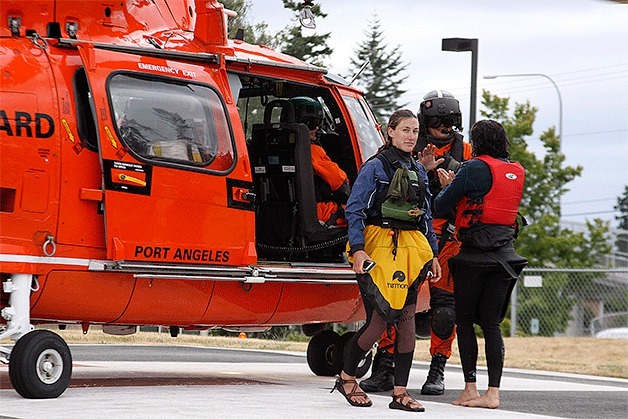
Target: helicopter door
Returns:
[[173, 190]]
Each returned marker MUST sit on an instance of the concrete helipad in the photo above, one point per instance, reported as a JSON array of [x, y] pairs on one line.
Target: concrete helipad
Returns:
[[142, 389]]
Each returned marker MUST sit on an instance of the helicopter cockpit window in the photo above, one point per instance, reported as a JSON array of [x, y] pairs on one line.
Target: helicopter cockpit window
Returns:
[[172, 122], [370, 138]]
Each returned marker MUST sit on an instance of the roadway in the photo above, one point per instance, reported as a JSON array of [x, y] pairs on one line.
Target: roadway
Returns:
[[179, 381]]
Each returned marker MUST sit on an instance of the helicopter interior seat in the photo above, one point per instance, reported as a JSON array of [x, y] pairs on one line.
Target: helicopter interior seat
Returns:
[[340, 151], [335, 147], [286, 218]]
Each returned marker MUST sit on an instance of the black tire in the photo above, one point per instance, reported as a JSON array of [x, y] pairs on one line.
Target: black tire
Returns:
[[338, 356], [40, 365], [313, 328], [320, 351]]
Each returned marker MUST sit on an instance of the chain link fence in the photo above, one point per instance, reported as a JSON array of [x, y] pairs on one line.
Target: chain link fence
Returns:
[[569, 302]]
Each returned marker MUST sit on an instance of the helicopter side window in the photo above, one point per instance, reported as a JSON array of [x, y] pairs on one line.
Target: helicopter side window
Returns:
[[84, 111], [370, 138], [165, 121]]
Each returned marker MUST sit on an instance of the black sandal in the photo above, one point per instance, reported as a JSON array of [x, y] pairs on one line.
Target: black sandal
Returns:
[[398, 399], [355, 391]]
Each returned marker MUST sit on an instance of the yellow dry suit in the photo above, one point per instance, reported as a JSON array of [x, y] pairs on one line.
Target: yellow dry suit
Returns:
[[395, 241]]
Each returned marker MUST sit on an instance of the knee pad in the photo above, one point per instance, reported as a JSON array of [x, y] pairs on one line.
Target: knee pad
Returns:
[[443, 322]]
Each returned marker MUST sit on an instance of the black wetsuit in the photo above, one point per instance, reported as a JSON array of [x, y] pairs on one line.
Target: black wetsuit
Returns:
[[482, 283]]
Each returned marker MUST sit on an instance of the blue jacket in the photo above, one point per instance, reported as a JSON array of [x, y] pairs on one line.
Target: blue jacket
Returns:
[[371, 181]]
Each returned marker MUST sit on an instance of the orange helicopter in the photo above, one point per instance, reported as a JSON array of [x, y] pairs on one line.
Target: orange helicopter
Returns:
[[151, 173]]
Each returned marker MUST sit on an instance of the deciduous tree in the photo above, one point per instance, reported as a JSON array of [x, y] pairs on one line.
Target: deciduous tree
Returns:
[[544, 241]]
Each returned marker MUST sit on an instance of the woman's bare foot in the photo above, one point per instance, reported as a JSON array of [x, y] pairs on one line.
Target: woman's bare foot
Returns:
[[490, 399], [470, 392], [485, 401], [466, 397]]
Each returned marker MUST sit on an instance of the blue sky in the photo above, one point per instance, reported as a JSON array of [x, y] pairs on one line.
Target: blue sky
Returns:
[[582, 45]]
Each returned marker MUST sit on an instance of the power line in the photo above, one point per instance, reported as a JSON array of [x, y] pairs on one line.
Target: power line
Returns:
[[589, 213], [564, 82], [589, 200], [596, 132], [536, 87], [529, 86], [525, 86], [593, 68]]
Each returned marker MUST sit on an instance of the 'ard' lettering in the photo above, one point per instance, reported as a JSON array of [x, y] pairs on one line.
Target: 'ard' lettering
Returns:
[[23, 120], [5, 124], [39, 133], [44, 124]]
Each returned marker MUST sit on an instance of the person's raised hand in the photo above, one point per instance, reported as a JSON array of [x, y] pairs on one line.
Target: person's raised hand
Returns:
[[445, 176], [428, 157]]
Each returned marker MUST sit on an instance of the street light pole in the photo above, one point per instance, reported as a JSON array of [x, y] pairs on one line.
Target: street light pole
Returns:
[[560, 99], [467, 44]]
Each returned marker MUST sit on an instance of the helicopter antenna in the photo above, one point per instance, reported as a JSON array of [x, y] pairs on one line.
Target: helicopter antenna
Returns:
[[306, 17], [366, 63]]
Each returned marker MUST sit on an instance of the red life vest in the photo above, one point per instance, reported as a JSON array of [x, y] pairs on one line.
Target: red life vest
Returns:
[[499, 206]]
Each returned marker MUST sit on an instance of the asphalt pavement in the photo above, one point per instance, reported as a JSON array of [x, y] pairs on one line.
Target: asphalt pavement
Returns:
[[179, 381]]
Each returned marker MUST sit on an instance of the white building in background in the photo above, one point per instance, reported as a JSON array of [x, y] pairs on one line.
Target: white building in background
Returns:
[[619, 241], [581, 323]]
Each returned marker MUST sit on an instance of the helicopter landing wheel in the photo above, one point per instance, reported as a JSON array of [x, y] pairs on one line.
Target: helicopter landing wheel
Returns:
[[313, 328], [320, 353], [40, 365]]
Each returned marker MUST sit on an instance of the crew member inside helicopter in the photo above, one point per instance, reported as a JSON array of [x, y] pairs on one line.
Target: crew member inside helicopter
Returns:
[[330, 181]]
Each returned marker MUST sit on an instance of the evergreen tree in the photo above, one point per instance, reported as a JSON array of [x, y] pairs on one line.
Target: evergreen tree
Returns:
[[312, 48], [622, 207], [256, 34], [383, 77]]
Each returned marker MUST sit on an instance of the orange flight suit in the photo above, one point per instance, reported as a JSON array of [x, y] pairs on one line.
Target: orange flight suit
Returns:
[[334, 176]]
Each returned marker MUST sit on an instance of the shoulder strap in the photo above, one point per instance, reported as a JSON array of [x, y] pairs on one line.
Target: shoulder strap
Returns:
[[390, 162], [524, 223], [457, 148], [416, 197]]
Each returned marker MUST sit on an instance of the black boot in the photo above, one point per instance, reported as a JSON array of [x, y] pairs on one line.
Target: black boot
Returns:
[[435, 383], [382, 378]]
